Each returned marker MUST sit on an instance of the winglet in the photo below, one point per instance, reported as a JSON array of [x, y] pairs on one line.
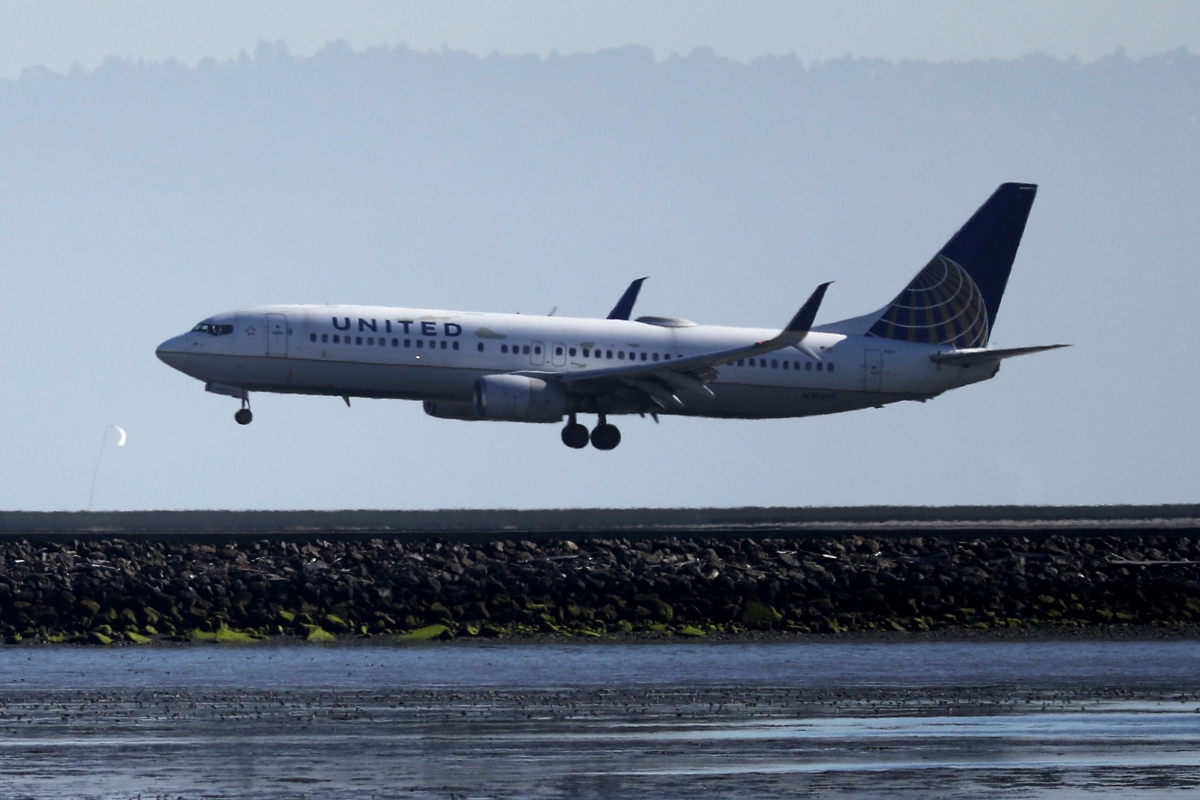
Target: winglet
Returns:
[[802, 322], [624, 306]]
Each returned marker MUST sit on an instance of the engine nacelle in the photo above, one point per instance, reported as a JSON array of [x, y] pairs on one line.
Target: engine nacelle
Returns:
[[516, 398], [449, 409]]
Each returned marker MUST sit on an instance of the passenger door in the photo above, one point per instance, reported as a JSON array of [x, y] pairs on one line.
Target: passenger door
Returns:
[[277, 335], [872, 370], [537, 355], [558, 354]]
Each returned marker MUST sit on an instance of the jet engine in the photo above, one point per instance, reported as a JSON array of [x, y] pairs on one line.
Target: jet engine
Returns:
[[516, 398], [449, 409]]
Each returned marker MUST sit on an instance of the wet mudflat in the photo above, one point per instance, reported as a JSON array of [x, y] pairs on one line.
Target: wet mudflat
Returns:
[[818, 719]]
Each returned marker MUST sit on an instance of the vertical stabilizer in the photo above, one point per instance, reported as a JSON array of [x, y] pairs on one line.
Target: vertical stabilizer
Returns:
[[954, 300]]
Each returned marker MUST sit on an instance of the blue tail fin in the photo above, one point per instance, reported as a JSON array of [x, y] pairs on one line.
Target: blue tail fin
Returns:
[[954, 300]]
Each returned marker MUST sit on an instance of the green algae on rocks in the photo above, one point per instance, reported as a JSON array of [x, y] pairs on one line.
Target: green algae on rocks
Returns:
[[119, 591]]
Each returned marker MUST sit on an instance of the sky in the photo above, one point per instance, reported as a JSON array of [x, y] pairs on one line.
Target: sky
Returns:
[[138, 197], [58, 33]]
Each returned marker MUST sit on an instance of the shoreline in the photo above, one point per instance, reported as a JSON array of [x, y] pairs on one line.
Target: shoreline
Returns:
[[913, 588], [1112, 633]]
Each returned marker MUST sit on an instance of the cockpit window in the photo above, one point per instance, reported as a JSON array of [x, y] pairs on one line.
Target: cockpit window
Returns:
[[213, 330]]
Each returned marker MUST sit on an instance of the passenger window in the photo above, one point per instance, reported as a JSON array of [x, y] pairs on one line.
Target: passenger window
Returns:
[[443, 344], [585, 352], [525, 349], [785, 365], [643, 356], [820, 366], [558, 351], [571, 352], [621, 354], [479, 347], [752, 362], [456, 345], [395, 342], [420, 342], [408, 342], [741, 362], [324, 337], [609, 354], [538, 350], [774, 364], [358, 340], [371, 340], [336, 338], [667, 356], [312, 337], [503, 348], [830, 366], [808, 366], [656, 356]]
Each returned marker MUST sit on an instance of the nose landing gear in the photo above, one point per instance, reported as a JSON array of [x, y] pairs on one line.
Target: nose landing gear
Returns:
[[243, 415]]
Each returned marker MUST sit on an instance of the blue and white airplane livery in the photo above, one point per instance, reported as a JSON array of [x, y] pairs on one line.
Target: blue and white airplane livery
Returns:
[[515, 368]]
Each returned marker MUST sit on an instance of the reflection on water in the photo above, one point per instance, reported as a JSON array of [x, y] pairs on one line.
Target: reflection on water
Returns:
[[978, 719]]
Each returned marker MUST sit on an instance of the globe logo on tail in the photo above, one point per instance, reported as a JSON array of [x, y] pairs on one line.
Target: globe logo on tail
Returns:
[[942, 305]]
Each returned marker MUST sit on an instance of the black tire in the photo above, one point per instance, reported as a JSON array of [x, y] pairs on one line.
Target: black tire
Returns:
[[606, 437], [575, 436], [243, 416]]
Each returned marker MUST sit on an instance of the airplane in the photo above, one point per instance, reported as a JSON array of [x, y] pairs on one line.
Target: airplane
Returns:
[[518, 368]]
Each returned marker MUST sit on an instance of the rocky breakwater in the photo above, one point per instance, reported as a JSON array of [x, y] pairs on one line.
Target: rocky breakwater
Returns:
[[114, 590]]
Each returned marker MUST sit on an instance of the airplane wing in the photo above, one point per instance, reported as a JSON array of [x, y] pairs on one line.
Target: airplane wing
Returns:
[[662, 381], [981, 355]]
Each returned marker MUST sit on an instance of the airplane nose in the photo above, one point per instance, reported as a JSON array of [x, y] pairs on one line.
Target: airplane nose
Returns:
[[172, 351]]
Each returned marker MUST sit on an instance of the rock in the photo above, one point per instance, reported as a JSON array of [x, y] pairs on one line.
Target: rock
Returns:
[[427, 633], [439, 612], [95, 637], [227, 635], [659, 610], [759, 615], [319, 634]]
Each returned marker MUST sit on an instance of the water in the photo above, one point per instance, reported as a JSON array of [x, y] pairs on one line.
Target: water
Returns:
[[955, 719]]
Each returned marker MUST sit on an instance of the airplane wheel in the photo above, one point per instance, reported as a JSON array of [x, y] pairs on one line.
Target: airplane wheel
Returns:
[[575, 436], [606, 437], [243, 416]]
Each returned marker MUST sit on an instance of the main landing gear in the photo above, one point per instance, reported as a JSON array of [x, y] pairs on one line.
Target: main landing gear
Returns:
[[575, 435], [243, 415], [602, 437]]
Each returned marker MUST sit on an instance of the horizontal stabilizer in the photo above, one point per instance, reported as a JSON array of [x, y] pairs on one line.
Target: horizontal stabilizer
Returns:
[[981, 355]]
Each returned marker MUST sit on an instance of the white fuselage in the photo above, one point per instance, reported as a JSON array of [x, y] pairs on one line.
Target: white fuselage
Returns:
[[437, 356]]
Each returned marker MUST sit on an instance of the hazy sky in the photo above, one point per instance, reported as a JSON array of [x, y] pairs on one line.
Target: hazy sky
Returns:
[[56, 33], [137, 199]]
